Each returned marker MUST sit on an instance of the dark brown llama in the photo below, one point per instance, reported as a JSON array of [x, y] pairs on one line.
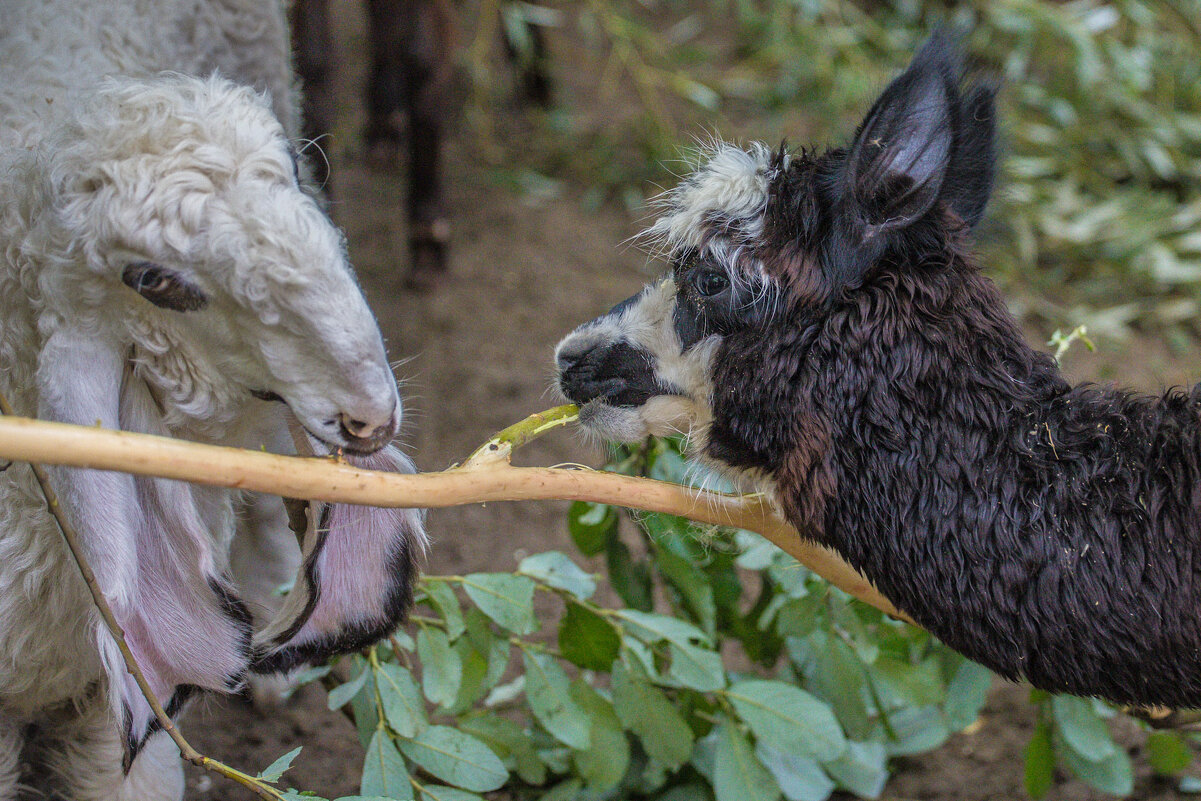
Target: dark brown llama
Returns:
[[826, 337]]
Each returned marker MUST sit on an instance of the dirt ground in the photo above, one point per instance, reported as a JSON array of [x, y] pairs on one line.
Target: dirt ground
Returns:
[[479, 350]]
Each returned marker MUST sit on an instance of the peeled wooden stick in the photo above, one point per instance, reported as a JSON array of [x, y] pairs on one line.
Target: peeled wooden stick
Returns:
[[485, 476]]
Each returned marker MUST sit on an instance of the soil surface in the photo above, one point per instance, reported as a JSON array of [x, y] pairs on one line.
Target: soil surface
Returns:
[[478, 351]]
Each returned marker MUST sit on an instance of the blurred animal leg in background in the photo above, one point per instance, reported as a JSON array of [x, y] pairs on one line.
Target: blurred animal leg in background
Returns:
[[411, 69], [312, 46]]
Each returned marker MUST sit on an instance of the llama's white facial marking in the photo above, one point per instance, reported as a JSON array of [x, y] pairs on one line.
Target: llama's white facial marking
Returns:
[[631, 374], [645, 368], [227, 278]]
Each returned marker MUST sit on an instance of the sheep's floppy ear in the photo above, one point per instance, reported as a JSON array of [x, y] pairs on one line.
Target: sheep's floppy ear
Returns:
[[355, 585], [146, 542], [898, 161]]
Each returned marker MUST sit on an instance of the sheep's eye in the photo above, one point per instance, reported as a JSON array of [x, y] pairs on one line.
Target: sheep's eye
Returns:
[[711, 283], [162, 287]]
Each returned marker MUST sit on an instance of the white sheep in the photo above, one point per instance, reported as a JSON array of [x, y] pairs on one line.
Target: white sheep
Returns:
[[163, 271]]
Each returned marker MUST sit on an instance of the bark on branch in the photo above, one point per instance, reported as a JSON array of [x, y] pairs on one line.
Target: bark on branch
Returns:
[[485, 476]]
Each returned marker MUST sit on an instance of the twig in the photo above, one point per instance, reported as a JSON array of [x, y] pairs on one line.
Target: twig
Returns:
[[322, 479], [110, 621]]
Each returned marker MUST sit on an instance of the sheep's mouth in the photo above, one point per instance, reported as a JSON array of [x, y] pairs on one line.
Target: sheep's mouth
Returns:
[[346, 439]]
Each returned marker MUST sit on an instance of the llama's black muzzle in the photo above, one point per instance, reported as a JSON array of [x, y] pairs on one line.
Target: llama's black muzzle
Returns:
[[615, 372]]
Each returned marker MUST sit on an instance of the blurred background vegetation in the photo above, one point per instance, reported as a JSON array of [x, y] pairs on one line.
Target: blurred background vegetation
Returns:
[[1097, 215]]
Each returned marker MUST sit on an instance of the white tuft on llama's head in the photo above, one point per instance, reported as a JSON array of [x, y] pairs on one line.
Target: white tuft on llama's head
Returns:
[[182, 235]]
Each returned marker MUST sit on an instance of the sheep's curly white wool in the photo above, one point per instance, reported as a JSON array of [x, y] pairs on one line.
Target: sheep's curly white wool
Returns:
[[123, 142]]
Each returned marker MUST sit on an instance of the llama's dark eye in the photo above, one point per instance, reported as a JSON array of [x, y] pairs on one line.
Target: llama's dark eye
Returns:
[[162, 287], [711, 283]]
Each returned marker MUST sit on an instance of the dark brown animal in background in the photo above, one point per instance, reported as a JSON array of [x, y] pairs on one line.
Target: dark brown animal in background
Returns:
[[409, 96]]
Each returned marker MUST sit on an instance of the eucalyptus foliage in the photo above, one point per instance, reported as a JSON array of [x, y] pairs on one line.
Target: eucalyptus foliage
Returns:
[[709, 665]]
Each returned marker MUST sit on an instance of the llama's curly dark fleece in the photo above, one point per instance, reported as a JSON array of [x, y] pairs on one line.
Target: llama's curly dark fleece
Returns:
[[861, 361]]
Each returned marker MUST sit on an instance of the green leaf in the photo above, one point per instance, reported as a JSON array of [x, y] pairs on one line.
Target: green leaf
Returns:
[[1082, 729], [799, 778], [272, 772], [402, 702], [697, 669], [651, 627], [442, 596], [471, 682], [645, 711], [629, 577], [788, 719], [686, 578], [507, 599], [737, 773], [1039, 762], [556, 570], [384, 771], [366, 715], [1168, 753], [837, 678], [863, 769], [344, 692], [511, 743], [917, 729], [966, 694], [1114, 774], [603, 764], [547, 688], [590, 525], [587, 639], [917, 684], [799, 616], [1189, 784], [438, 792], [457, 758], [441, 670], [687, 792]]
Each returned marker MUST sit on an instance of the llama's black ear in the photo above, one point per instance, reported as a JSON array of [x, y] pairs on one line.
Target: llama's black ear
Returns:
[[899, 159], [969, 179]]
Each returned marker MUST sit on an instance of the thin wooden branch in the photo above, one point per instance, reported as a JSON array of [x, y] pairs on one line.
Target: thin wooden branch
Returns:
[[110, 621], [480, 480]]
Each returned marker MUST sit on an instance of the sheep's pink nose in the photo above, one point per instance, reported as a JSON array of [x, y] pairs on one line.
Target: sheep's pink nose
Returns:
[[368, 436], [360, 428]]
